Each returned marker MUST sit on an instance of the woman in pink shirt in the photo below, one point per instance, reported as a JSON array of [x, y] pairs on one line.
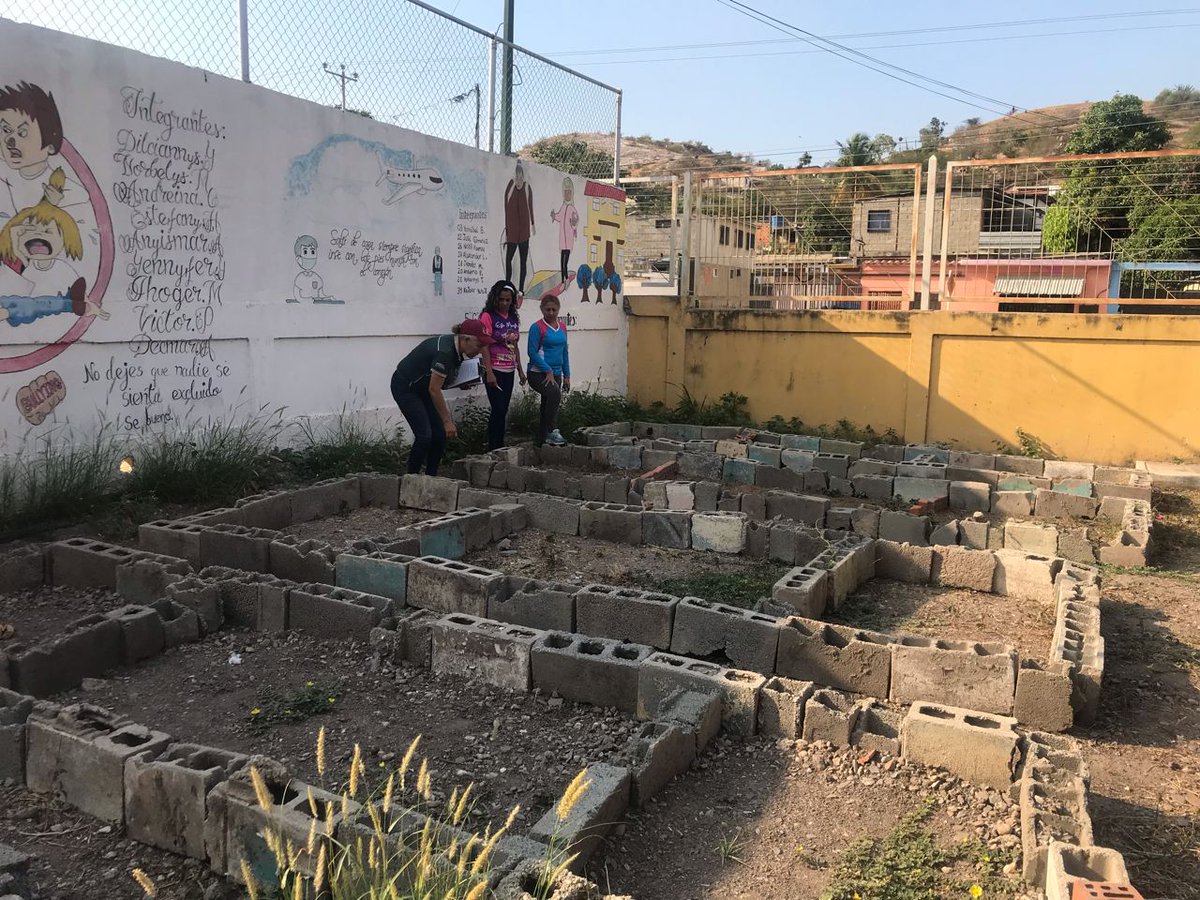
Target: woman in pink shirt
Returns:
[[501, 356]]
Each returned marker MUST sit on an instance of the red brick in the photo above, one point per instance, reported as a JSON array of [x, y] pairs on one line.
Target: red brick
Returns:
[[1103, 890], [666, 470]]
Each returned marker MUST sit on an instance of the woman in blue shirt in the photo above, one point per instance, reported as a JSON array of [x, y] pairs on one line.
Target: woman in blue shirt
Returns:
[[549, 369]]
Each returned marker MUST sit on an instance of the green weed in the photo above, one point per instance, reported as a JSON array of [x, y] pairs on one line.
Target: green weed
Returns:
[[275, 708], [731, 848], [733, 588], [1029, 445], [346, 445]]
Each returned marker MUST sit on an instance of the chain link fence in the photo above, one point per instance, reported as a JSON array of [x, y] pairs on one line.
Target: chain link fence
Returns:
[[397, 61]]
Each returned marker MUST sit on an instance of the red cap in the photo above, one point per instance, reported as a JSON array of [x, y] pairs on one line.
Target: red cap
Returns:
[[472, 327]]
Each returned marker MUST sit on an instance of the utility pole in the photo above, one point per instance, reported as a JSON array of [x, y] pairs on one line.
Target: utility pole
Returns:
[[341, 76], [506, 81], [459, 98]]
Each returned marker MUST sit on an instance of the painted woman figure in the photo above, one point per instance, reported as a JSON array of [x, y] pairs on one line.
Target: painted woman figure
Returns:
[[437, 271], [35, 244], [567, 218], [518, 225]]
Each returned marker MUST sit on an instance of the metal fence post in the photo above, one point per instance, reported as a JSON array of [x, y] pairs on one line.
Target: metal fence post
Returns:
[[491, 143], [944, 287], [674, 255], [617, 144], [927, 248], [685, 266], [244, 37]]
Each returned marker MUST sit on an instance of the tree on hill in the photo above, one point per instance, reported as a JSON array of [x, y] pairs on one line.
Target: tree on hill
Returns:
[[860, 149], [933, 135], [1177, 96], [573, 156], [1137, 209]]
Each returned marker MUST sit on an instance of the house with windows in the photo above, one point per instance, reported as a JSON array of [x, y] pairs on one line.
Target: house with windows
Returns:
[[604, 227], [993, 249]]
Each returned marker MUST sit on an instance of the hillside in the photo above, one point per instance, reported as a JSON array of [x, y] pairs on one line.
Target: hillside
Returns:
[[1036, 132]]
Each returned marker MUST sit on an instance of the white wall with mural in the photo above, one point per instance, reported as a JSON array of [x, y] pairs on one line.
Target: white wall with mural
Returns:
[[175, 246]]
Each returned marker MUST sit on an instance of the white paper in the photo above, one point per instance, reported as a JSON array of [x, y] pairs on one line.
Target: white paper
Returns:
[[467, 372]]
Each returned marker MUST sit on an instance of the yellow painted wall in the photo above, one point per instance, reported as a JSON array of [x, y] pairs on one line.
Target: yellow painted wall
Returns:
[[1101, 388]]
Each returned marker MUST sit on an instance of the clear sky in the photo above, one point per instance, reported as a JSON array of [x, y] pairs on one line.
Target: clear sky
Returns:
[[777, 98]]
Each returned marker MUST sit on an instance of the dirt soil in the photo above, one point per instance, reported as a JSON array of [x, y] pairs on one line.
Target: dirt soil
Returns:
[[951, 614], [368, 522], [38, 615]]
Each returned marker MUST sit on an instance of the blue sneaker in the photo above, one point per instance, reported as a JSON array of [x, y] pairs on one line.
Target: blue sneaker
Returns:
[[555, 439]]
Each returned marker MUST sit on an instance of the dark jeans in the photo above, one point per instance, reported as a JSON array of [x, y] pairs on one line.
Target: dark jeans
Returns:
[[564, 256], [499, 396], [551, 397], [510, 250], [429, 435]]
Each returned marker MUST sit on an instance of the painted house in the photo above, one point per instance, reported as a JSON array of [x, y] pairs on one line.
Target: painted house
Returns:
[[604, 232]]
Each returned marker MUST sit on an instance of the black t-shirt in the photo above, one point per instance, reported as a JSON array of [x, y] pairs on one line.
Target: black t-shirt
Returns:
[[436, 354]]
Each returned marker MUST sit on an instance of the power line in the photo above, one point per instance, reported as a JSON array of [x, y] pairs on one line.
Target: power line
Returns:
[[1058, 20], [870, 62]]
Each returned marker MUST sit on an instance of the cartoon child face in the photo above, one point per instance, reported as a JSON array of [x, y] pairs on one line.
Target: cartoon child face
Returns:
[[306, 253], [21, 141], [37, 244], [568, 190]]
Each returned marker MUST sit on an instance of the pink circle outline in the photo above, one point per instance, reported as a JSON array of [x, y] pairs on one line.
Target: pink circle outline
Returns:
[[104, 225]]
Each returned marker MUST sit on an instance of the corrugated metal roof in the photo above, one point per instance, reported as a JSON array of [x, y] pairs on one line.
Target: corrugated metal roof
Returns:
[[1038, 286]]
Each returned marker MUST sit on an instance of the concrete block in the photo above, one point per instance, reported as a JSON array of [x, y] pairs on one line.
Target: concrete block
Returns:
[[378, 489], [302, 561], [797, 460], [655, 494], [655, 755], [662, 675], [270, 509], [903, 528], [973, 476], [325, 611], [144, 579], [745, 639], [973, 534], [1012, 503], [542, 605], [1026, 576], [1028, 483], [593, 670], [507, 519], [737, 470], [804, 590], [331, 497], [731, 449], [832, 463], [877, 728], [765, 456], [803, 508], [781, 707], [447, 586], [945, 535], [379, 573], [1057, 504], [800, 442], [600, 809], [719, 432], [1043, 698], [616, 488], [142, 634], [444, 537], [914, 489], [954, 673], [85, 564], [872, 467], [926, 453], [429, 492], [758, 540], [1078, 649], [719, 532], [921, 470], [667, 528], [478, 498], [834, 656], [180, 539], [840, 487], [79, 752], [1079, 487], [1074, 544], [627, 456], [837, 518], [701, 466], [903, 562], [660, 460], [494, 652], [887, 452], [970, 496], [754, 506], [237, 547], [707, 494], [87, 647], [851, 449], [166, 797], [553, 514], [830, 716], [968, 460], [203, 597], [981, 748], [180, 624], [15, 710], [843, 572], [22, 568], [1058, 468], [962, 567], [873, 487], [1030, 537], [864, 520], [701, 446], [592, 487], [1026, 465], [1071, 868], [613, 522], [625, 614], [815, 480]]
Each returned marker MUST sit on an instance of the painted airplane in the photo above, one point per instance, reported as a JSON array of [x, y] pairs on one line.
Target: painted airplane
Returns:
[[406, 182]]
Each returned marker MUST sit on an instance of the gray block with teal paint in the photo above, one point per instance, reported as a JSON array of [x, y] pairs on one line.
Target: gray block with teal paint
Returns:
[[382, 574]]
